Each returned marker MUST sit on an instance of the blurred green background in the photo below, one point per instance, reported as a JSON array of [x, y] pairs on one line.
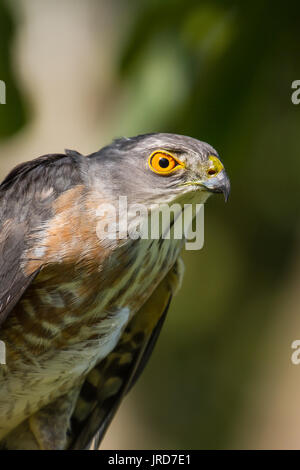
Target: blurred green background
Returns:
[[79, 73]]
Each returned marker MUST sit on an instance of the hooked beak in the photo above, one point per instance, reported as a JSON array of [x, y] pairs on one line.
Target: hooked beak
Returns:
[[218, 184]]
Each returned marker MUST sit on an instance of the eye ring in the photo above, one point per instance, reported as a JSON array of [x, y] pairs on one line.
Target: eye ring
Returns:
[[164, 163]]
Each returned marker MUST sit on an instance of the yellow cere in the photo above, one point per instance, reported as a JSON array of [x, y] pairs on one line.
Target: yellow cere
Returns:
[[215, 166]]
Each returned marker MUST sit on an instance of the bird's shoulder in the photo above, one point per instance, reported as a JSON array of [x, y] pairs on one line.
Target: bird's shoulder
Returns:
[[42, 216]]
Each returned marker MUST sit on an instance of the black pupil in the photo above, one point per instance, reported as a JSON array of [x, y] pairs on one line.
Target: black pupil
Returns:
[[163, 162]]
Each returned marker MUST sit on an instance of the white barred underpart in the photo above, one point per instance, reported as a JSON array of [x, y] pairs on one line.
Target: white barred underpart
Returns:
[[56, 372]]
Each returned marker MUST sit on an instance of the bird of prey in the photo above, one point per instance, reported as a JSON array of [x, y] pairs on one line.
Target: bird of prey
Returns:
[[80, 313]]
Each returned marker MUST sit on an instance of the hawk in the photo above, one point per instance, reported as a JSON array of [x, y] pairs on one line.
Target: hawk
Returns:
[[79, 312]]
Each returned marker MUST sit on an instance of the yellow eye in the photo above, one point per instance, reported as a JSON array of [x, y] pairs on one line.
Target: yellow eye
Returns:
[[215, 166], [163, 163]]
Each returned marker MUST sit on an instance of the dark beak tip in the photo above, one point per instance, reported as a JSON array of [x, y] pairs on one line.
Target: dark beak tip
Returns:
[[226, 195]]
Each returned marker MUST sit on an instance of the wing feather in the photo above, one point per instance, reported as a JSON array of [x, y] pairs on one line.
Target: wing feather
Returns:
[[26, 203]]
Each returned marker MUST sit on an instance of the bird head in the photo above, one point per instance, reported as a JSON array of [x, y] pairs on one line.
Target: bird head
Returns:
[[156, 168]]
